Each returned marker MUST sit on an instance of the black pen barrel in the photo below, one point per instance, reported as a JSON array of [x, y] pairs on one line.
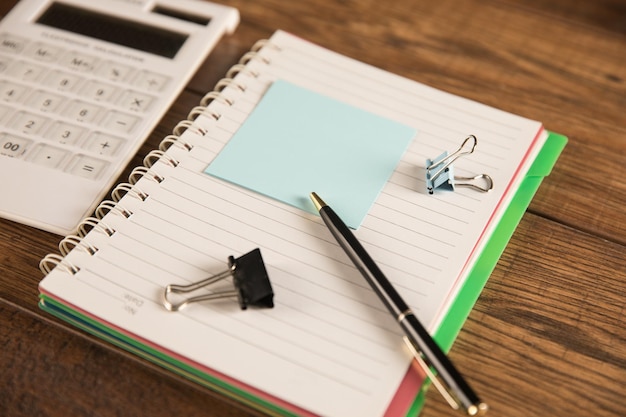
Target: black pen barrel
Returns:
[[434, 356], [363, 262], [413, 329]]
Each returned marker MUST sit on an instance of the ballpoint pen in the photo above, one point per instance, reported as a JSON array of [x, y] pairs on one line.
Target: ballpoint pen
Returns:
[[447, 380]]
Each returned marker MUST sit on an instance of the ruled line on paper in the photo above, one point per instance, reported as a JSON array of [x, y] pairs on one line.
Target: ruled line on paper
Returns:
[[209, 318]]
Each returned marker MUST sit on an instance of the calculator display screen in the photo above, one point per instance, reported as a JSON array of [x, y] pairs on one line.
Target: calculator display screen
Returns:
[[112, 29]]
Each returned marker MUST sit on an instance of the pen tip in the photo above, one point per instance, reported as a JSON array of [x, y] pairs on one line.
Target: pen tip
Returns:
[[319, 203]]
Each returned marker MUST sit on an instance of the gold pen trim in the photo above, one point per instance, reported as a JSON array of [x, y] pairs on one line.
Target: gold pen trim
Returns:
[[317, 201], [473, 410], [404, 314], [439, 385]]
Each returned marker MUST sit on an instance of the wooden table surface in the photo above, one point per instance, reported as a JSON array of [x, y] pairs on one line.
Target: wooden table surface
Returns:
[[547, 336]]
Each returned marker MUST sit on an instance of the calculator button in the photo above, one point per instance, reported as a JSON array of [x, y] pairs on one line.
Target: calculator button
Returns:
[[12, 92], [103, 144], [43, 52], [63, 81], [82, 112], [151, 81], [4, 112], [4, 63], [119, 122], [113, 71], [79, 62], [28, 123], [135, 101], [25, 71], [98, 91], [48, 156], [64, 133], [87, 167], [14, 146], [12, 44], [45, 101]]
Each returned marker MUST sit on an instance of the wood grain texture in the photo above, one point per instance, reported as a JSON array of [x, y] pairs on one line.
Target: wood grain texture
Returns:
[[546, 337]]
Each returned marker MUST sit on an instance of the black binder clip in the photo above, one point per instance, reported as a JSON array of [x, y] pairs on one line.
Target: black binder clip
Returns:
[[440, 171], [252, 284]]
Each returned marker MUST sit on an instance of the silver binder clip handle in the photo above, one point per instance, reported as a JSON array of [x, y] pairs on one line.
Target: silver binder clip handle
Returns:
[[440, 171], [250, 279], [474, 182], [449, 159], [184, 289]]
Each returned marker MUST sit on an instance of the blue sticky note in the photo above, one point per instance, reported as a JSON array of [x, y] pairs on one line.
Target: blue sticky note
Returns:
[[297, 141]]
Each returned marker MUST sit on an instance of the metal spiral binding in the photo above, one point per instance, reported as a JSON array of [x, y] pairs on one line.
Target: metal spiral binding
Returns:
[[185, 125], [261, 43], [215, 95], [52, 260], [228, 82], [72, 241], [254, 52], [172, 140], [127, 188], [158, 155], [144, 172], [241, 68], [201, 110], [94, 224], [108, 206], [89, 224]]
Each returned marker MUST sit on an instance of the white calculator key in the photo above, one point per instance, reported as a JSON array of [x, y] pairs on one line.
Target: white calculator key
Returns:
[[4, 63], [48, 156], [12, 44], [79, 62], [82, 111], [45, 101], [135, 101], [119, 122], [103, 144], [28, 123], [151, 81], [114, 71], [12, 92], [87, 166], [25, 71], [63, 81], [98, 91], [64, 133], [5, 111], [14, 146], [43, 52]]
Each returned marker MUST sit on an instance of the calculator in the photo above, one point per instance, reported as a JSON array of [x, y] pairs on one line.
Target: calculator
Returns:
[[82, 85]]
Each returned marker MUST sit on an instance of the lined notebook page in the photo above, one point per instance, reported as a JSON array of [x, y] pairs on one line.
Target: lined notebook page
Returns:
[[328, 346]]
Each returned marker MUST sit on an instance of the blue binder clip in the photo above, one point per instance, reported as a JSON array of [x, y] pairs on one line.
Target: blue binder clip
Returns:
[[440, 171], [250, 279]]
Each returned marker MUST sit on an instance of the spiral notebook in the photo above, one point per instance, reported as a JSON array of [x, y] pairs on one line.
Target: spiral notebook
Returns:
[[328, 347]]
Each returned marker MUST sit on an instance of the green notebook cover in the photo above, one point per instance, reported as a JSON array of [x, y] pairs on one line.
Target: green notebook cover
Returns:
[[455, 318], [445, 334]]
